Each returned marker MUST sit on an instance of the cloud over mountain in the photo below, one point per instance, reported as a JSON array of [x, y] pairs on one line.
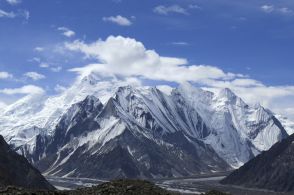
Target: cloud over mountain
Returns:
[[126, 57]]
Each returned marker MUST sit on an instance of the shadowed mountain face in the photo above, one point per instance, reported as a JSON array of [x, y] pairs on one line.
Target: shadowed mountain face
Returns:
[[15, 170], [109, 143], [273, 169], [144, 133]]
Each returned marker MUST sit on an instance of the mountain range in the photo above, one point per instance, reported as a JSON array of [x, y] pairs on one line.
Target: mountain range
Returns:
[[100, 129]]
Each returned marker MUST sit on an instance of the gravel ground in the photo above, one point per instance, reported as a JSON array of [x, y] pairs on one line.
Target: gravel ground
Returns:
[[186, 185]]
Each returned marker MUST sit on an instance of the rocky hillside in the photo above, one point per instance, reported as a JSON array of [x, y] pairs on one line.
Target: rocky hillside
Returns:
[[17, 171], [273, 169], [117, 187]]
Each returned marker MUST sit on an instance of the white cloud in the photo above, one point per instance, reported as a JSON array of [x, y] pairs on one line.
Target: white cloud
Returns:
[[25, 14], [165, 10], [44, 65], [58, 88], [50, 67], [35, 59], [2, 105], [56, 69], [34, 75], [267, 8], [66, 31], [4, 14], [165, 89], [20, 13], [120, 20], [128, 57], [285, 10], [25, 90], [272, 9], [194, 6], [39, 49], [13, 2], [5, 75], [180, 43]]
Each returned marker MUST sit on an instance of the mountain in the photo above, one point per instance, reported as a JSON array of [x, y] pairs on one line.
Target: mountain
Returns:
[[15, 170], [187, 131], [238, 131], [130, 137], [273, 169], [22, 122], [140, 126]]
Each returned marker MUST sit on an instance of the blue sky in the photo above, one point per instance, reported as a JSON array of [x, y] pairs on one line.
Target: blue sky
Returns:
[[253, 38]]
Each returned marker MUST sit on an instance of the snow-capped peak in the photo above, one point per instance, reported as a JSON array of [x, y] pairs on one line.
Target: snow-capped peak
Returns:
[[227, 93]]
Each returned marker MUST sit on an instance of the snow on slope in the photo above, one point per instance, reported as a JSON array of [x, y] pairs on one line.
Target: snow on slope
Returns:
[[239, 131], [21, 122], [142, 126], [235, 130]]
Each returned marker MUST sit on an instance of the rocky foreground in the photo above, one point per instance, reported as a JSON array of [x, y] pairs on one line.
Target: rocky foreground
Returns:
[[17, 171], [117, 187]]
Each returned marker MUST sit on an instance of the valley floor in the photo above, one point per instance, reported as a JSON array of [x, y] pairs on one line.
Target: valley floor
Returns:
[[188, 185]]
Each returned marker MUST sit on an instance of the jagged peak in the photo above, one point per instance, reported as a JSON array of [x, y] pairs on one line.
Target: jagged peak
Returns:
[[91, 101], [193, 94], [90, 98], [129, 90], [227, 93], [125, 88], [90, 79], [186, 86], [124, 91]]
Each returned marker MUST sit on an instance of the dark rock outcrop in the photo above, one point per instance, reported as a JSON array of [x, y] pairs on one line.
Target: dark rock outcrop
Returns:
[[273, 169], [117, 187], [15, 170]]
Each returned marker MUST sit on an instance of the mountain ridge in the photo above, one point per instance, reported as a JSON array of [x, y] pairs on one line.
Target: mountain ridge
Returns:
[[221, 123]]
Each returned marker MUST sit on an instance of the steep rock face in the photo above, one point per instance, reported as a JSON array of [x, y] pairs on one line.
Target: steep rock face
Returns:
[[273, 169], [238, 131], [15, 170], [207, 132], [129, 141]]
